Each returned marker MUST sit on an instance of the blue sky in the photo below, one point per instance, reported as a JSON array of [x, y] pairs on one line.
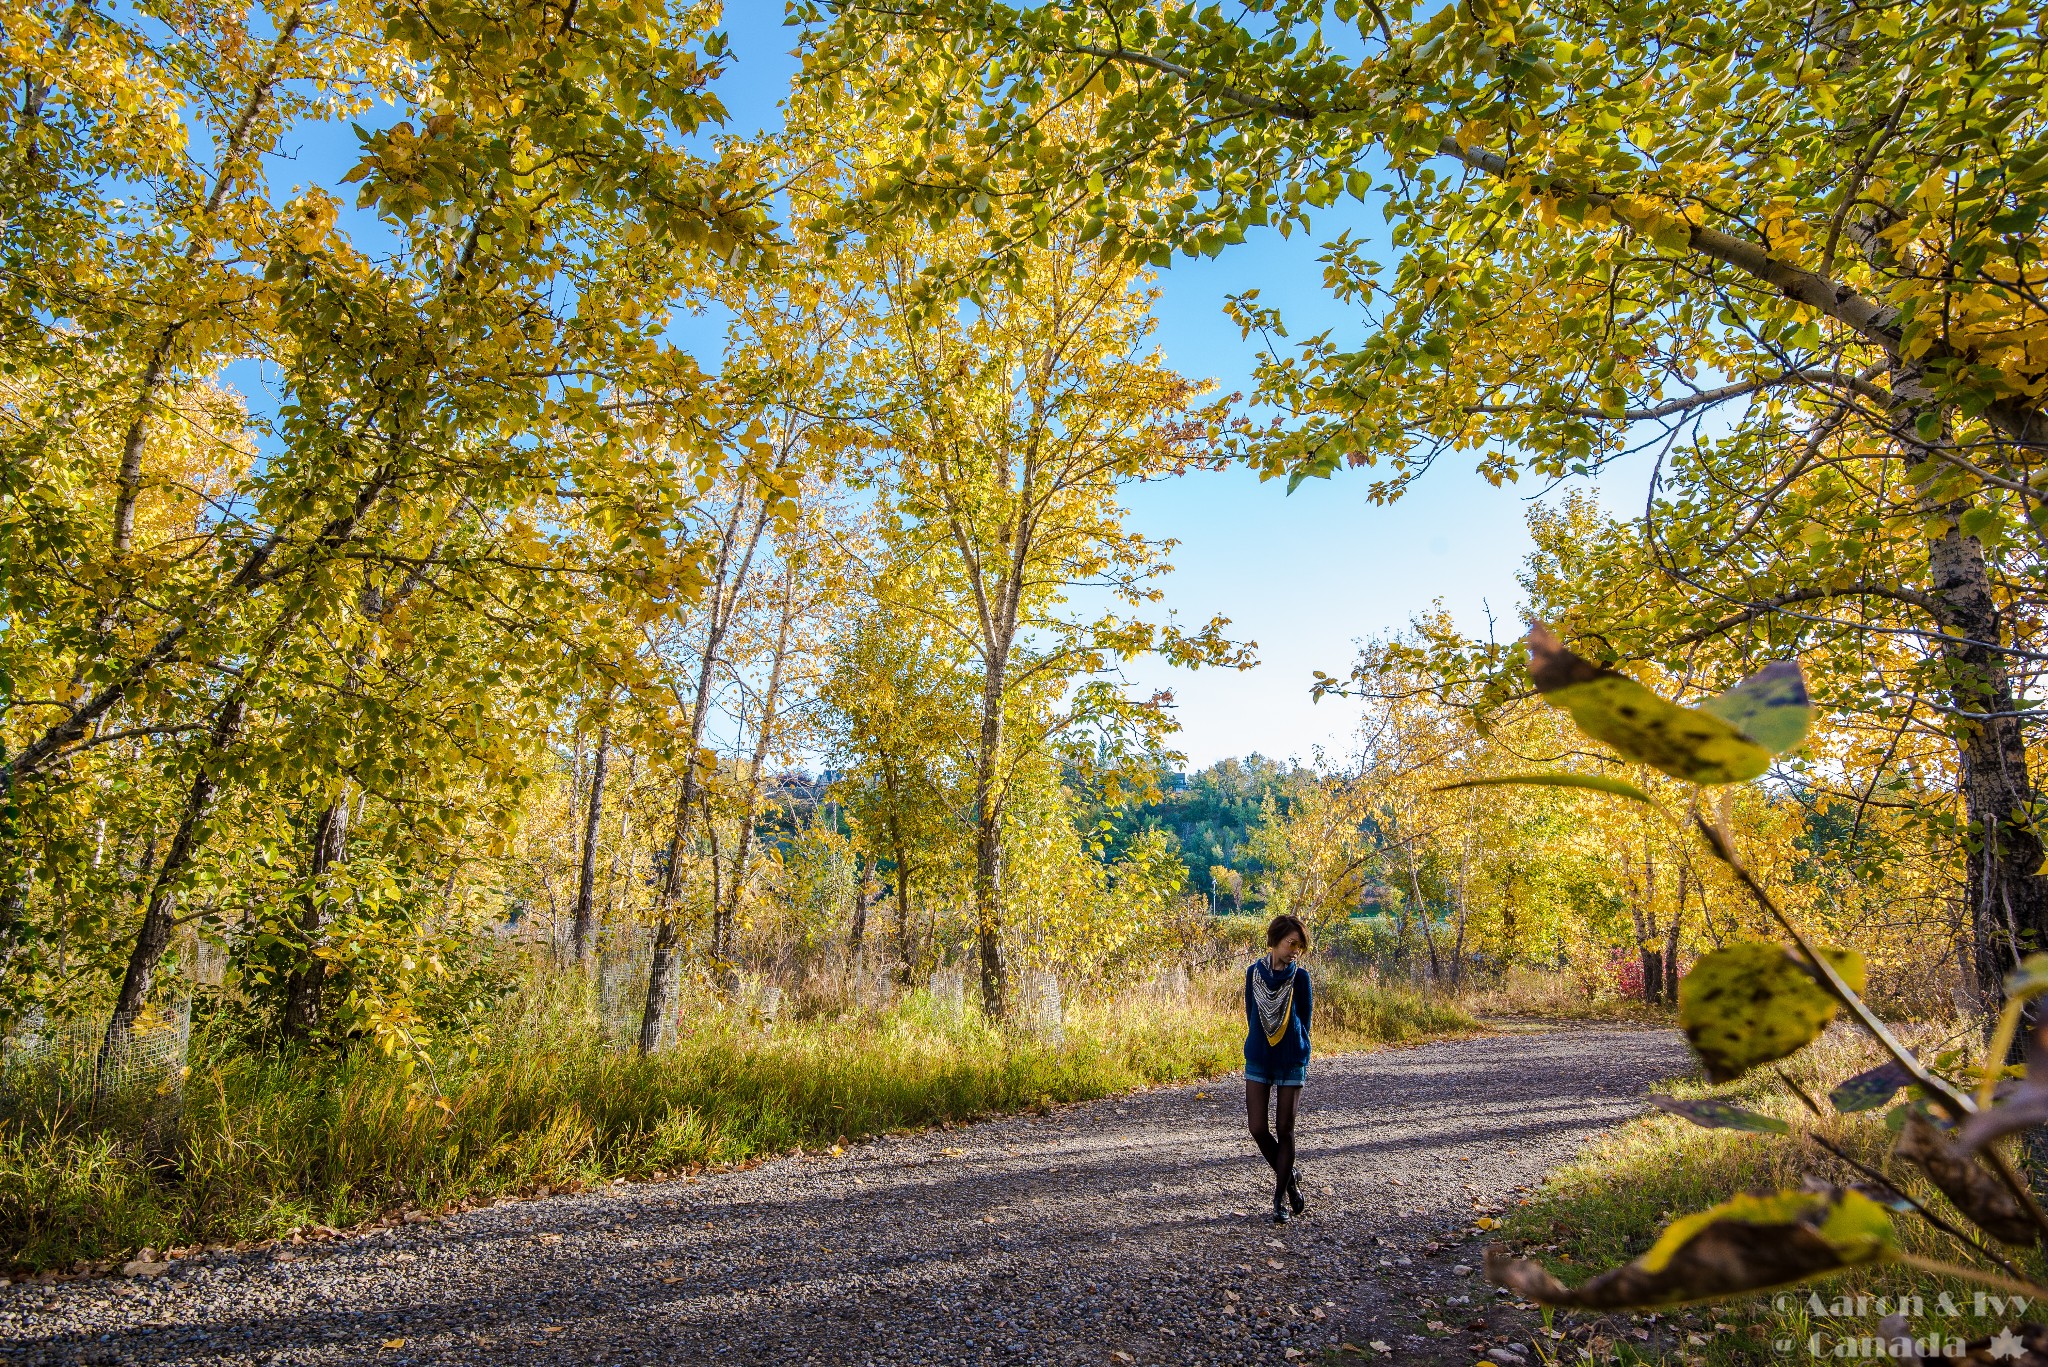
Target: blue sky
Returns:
[[1304, 576]]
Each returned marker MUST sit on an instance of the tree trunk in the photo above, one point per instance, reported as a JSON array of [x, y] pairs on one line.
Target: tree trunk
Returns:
[[585, 932], [988, 850], [1464, 874], [154, 938], [1436, 969], [305, 989], [2008, 900], [905, 960], [145, 868], [128, 478], [663, 972], [1671, 936], [662, 976], [1644, 912], [622, 848], [863, 870], [726, 913]]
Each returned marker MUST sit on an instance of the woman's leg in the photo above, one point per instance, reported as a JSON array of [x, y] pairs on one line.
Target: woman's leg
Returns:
[[1256, 1098], [1283, 1121]]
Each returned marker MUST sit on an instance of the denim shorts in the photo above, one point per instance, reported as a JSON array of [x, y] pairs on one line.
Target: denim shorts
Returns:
[[1275, 1077]]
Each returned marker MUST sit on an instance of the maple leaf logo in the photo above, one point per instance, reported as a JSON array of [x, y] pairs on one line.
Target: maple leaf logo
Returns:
[[2006, 1345]]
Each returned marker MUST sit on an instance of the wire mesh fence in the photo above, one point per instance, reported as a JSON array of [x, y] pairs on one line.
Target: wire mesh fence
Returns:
[[873, 985], [130, 1083], [949, 992], [623, 962], [1171, 984], [1042, 1008]]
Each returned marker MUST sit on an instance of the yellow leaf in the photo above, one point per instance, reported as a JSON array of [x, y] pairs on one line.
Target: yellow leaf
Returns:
[[1685, 743], [1754, 1003], [1749, 1243]]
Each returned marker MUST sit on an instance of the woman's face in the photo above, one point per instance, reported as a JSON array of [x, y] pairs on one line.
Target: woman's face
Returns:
[[1284, 952]]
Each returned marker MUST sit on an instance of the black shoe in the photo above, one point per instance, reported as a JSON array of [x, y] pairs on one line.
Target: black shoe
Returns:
[[1294, 1193], [1279, 1211]]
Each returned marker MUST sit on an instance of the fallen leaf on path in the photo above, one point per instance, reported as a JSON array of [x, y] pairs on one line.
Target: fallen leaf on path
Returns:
[[1379, 1346], [1121, 1356], [1273, 1263], [394, 1343]]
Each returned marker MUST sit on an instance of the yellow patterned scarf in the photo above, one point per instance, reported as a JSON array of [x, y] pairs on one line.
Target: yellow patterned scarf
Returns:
[[1275, 1004]]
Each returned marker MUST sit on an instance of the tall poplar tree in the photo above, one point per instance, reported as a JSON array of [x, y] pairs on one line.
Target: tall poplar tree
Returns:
[[1797, 247]]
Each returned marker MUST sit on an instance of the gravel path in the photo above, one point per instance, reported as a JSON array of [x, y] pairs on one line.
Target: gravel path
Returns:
[[1129, 1230]]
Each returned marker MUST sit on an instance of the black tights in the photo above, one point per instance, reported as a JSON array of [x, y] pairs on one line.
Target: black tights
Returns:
[[1278, 1149]]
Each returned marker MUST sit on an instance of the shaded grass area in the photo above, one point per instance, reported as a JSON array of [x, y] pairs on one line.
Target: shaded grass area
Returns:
[[1608, 1207], [274, 1141]]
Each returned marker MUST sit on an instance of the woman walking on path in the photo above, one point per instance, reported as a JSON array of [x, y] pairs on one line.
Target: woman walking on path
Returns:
[[1278, 1003]]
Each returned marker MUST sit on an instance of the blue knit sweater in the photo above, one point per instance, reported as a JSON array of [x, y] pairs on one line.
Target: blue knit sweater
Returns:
[[1292, 1050]]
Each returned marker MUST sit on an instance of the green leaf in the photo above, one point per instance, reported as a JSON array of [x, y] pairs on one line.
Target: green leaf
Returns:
[[1870, 1089], [1749, 1243], [1769, 707], [2030, 979], [1598, 783], [1686, 744], [1754, 1003], [1710, 1114]]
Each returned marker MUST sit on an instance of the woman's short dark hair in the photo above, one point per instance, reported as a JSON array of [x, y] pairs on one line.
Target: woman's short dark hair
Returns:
[[1283, 926]]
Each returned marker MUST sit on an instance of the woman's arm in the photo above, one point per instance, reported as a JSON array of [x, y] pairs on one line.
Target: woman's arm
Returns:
[[1305, 1002]]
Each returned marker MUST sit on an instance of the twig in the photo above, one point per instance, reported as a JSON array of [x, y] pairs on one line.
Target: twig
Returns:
[[1799, 1092], [1968, 1274], [1878, 1176], [1955, 1102]]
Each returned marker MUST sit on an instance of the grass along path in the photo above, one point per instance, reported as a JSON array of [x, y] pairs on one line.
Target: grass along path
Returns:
[[274, 1144], [1609, 1204], [1121, 1230]]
